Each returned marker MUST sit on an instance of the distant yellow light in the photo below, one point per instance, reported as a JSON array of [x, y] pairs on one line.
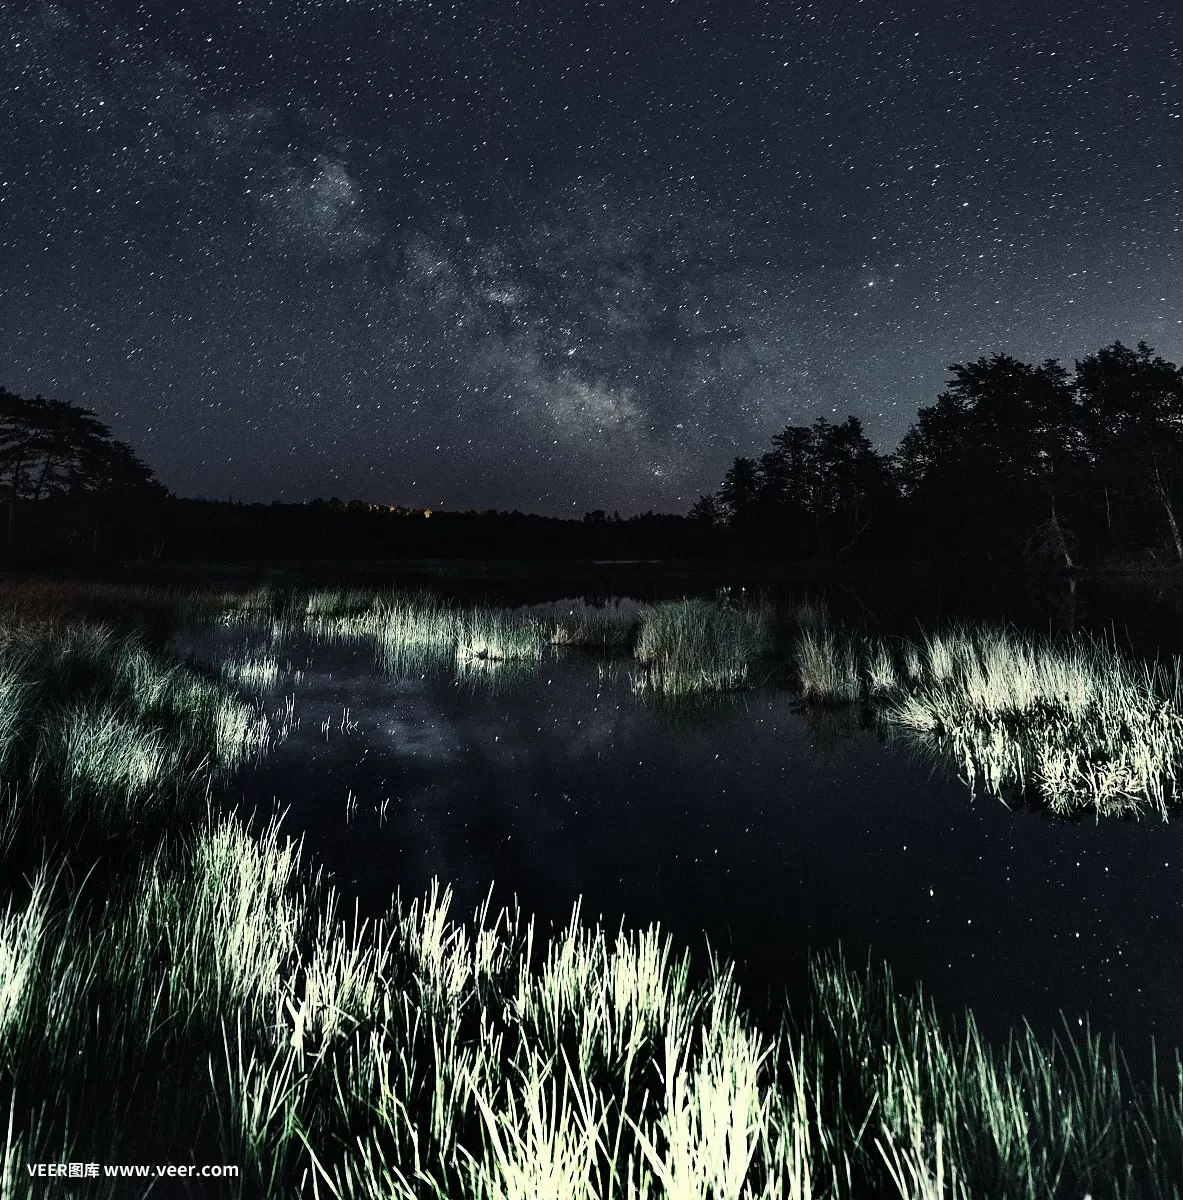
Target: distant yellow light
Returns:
[[427, 512]]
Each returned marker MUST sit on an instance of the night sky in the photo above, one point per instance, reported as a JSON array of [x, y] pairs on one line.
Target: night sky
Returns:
[[564, 256]]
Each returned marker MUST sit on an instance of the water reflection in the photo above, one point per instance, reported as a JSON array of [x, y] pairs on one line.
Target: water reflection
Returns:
[[769, 829]]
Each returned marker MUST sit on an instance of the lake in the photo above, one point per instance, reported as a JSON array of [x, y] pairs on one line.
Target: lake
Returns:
[[771, 829]]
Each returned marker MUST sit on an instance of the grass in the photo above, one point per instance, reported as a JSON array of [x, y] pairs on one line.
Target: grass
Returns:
[[241, 1018], [416, 632], [1070, 721], [496, 635], [212, 1001], [1073, 720], [99, 734], [828, 667], [251, 672], [683, 648], [688, 647], [612, 625]]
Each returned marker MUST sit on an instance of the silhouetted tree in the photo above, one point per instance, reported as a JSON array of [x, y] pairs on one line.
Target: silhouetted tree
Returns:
[[1013, 458], [813, 492], [995, 456], [739, 495], [848, 478], [1132, 418], [706, 512], [52, 448]]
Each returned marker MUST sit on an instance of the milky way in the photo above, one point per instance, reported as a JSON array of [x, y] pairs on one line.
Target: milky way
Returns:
[[563, 256]]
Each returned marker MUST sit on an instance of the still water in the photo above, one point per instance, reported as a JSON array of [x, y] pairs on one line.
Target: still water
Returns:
[[765, 829]]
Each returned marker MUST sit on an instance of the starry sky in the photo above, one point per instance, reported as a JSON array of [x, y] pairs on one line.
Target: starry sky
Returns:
[[566, 255]]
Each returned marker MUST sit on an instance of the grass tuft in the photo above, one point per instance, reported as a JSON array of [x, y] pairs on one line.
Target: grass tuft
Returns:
[[612, 625], [828, 667], [1070, 721], [688, 647]]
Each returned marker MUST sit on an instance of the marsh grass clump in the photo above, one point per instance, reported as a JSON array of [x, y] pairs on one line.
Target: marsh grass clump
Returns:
[[410, 632], [828, 667], [103, 753], [339, 601], [97, 732], [496, 635], [417, 632], [684, 648], [1072, 720], [688, 647], [246, 605], [881, 671], [255, 673], [611, 625]]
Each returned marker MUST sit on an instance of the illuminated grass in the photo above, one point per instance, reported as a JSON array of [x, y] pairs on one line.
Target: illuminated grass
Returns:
[[417, 631], [828, 667], [420, 1056], [98, 733], [421, 630], [409, 632], [686, 647], [251, 672], [683, 648], [413, 633], [496, 635], [1074, 720], [340, 601], [1071, 721], [233, 1013]]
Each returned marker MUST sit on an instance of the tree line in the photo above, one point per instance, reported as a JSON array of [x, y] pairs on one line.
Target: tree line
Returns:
[[1014, 460]]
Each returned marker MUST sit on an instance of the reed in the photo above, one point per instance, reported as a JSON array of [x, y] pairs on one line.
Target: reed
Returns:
[[828, 667], [417, 631], [496, 635], [612, 625], [683, 648], [1070, 721], [251, 672], [98, 733], [419, 1055], [687, 647], [223, 1007]]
